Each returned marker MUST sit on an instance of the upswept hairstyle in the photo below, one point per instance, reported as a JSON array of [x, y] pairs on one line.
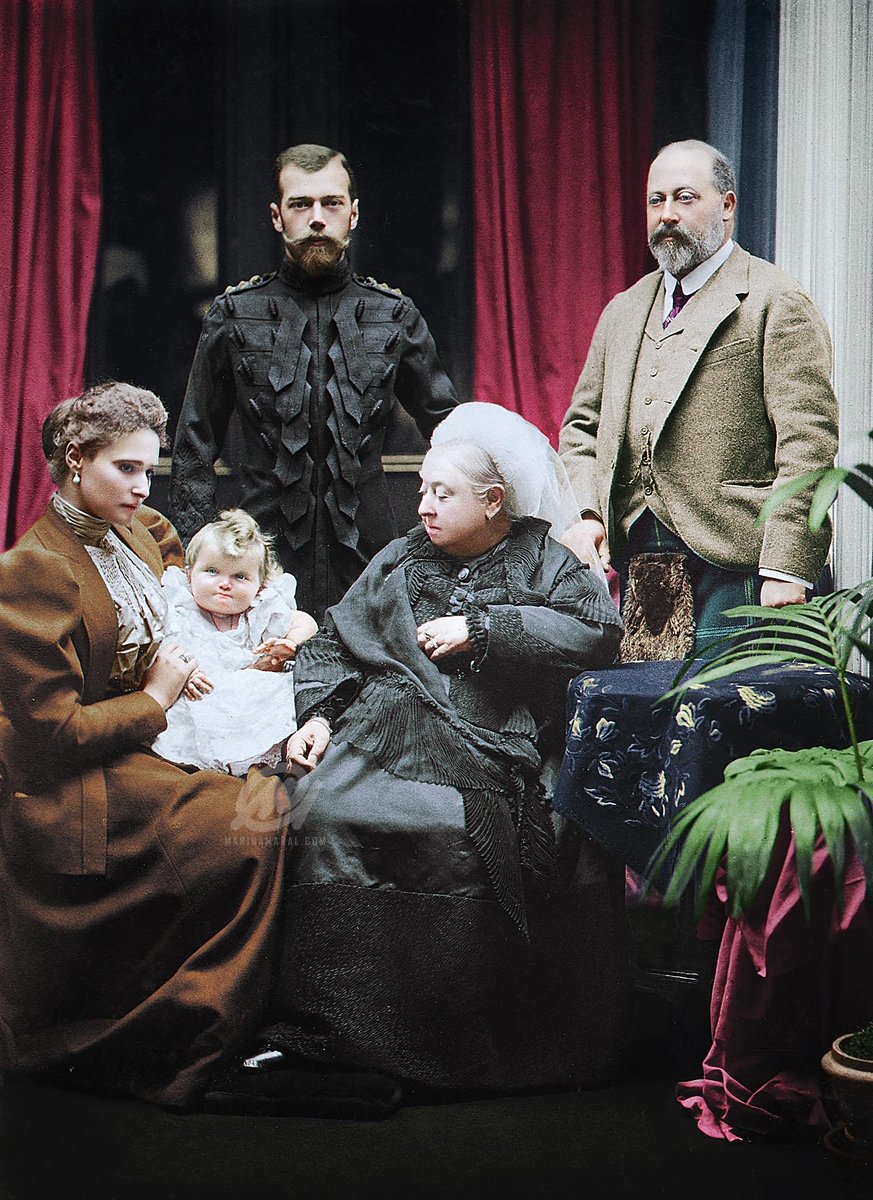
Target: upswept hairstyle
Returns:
[[311, 158], [96, 419], [234, 534]]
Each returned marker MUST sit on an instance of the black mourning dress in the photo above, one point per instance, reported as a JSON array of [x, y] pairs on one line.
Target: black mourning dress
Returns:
[[439, 926]]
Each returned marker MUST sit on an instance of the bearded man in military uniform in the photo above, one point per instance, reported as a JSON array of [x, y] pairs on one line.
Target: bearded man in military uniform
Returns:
[[313, 359]]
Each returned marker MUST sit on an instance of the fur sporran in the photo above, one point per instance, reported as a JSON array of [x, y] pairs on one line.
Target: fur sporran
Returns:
[[658, 609]]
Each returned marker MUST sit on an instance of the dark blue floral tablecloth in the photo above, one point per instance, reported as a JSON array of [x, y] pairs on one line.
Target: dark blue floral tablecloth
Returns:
[[633, 761]]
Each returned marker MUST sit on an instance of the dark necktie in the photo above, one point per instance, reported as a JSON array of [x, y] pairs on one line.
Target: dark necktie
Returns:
[[679, 302]]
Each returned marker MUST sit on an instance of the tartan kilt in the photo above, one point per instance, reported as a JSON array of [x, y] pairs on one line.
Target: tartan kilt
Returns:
[[714, 589]]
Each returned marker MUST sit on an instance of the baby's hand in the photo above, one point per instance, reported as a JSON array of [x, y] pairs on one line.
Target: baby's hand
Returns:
[[274, 653], [198, 685]]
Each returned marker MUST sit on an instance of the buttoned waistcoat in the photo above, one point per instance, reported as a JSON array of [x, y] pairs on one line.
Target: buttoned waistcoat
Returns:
[[745, 405]]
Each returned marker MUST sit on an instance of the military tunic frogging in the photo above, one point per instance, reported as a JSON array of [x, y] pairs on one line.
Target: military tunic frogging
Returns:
[[314, 367]]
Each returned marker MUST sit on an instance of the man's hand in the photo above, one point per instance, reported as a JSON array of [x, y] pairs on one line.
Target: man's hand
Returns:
[[306, 747], [587, 540], [776, 593]]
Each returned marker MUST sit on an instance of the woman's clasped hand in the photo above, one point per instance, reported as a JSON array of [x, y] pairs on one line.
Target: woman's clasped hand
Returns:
[[444, 636], [306, 746], [169, 674]]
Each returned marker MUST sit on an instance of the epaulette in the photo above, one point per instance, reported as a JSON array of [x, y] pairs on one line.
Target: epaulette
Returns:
[[255, 281], [370, 282]]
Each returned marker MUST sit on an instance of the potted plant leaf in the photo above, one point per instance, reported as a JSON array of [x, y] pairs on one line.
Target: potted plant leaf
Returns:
[[825, 791], [818, 798]]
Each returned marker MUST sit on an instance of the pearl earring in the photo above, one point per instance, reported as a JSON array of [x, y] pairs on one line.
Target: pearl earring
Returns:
[[77, 478]]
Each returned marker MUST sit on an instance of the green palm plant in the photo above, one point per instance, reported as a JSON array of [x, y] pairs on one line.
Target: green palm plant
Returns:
[[826, 792]]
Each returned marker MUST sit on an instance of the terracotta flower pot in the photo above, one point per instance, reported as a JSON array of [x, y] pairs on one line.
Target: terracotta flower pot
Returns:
[[852, 1080]]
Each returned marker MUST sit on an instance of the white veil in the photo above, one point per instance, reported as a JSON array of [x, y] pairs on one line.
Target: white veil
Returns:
[[536, 480]]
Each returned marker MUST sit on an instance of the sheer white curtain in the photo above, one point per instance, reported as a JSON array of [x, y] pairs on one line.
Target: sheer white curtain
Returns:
[[824, 218]]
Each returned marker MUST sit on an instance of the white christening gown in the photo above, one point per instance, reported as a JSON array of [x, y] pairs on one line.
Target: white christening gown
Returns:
[[249, 714]]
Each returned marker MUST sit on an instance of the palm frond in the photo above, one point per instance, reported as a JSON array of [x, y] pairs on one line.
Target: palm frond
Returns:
[[821, 633], [802, 814], [829, 806], [719, 668], [787, 491], [701, 830], [824, 496], [742, 820], [825, 483], [860, 822], [751, 841]]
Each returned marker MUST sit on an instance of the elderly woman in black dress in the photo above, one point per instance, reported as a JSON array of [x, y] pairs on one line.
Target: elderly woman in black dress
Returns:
[[439, 926]]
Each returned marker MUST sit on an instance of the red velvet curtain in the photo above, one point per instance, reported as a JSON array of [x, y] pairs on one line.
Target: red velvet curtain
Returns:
[[49, 228], [563, 110]]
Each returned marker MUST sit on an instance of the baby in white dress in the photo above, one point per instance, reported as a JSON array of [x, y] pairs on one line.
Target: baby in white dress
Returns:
[[233, 608]]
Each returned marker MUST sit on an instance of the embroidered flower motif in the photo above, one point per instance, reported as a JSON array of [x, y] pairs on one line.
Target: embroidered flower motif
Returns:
[[756, 700], [604, 729], [653, 787], [685, 716]]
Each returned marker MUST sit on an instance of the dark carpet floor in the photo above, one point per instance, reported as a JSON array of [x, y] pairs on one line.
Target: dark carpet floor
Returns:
[[627, 1142]]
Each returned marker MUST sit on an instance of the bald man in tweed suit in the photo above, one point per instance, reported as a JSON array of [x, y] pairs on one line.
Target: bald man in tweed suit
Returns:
[[694, 404]]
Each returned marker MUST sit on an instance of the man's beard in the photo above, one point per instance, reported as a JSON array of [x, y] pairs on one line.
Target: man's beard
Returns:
[[316, 258], [687, 249]]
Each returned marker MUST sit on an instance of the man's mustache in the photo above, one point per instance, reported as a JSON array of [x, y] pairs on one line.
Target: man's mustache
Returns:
[[672, 231], [316, 239]]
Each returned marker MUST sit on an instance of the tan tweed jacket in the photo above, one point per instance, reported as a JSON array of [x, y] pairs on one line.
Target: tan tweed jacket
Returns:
[[753, 408]]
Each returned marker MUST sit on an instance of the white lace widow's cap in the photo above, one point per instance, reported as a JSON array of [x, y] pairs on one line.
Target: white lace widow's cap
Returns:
[[537, 484]]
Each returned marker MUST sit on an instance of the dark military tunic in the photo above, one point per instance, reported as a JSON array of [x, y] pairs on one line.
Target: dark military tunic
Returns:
[[313, 366]]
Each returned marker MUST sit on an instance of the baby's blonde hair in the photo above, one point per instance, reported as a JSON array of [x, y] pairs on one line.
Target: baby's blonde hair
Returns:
[[235, 533]]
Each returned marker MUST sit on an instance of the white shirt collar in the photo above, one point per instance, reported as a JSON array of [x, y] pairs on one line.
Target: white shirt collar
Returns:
[[694, 280]]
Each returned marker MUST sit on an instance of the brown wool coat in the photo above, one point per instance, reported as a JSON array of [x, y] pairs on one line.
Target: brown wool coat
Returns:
[[752, 408], [139, 914], [58, 630]]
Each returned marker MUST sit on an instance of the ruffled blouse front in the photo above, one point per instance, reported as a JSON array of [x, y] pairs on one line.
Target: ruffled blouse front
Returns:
[[135, 590]]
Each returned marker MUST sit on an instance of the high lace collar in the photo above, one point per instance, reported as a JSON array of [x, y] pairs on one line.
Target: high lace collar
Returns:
[[91, 530], [316, 285]]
